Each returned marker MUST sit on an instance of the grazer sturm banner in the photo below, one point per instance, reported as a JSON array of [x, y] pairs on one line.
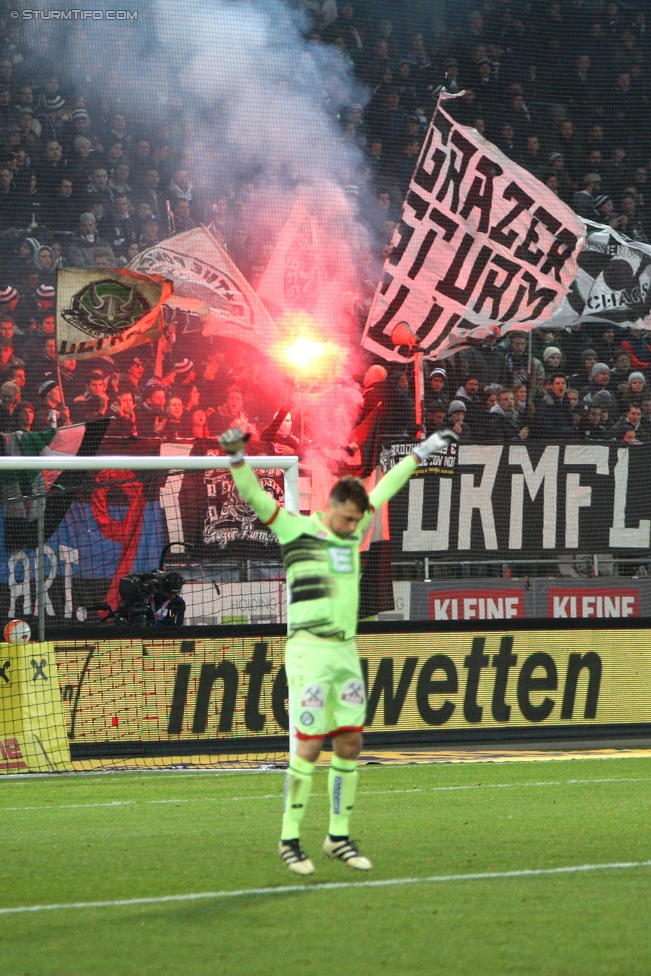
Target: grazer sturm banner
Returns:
[[230, 690], [103, 312], [480, 241], [612, 284], [536, 500], [202, 270]]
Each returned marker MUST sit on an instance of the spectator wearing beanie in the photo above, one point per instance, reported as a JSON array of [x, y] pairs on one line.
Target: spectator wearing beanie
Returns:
[[456, 419], [605, 400], [599, 380], [552, 359], [582, 378], [636, 389]]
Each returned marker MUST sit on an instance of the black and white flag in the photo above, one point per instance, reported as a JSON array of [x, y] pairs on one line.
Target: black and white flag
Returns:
[[481, 242], [613, 282]]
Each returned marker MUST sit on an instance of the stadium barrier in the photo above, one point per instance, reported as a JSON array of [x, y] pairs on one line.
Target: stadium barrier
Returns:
[[143, 700]]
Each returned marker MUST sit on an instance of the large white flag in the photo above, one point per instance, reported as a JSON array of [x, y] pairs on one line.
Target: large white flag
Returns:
[[481, 242], [202, 270]]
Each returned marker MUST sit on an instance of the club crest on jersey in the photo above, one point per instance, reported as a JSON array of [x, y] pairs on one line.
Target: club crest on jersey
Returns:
[[341, 559], [307, 718], [312, 697], [353, 692]]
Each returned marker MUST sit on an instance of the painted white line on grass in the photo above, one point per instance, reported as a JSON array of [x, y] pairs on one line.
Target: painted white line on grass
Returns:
[[328, 886], [278, 796], [72, 806]]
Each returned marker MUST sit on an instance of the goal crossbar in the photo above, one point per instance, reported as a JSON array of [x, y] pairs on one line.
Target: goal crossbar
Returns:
[[173, 464]]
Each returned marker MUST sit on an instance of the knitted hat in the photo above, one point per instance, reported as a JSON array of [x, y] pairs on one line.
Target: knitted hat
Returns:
[[183, 367], [79, 113], [603, 399], [7, 294], [87, 216], [439, 371], [554, 156], [601, 199], [635, 376], [55, 103], [46, 387], [599, 368], [591, 178], [551, 351], [46, 292], [456, 405], [587, 352]]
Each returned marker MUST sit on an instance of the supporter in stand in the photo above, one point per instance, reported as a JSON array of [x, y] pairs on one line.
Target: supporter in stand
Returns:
[[131, 380], [457, 419], [633, 421], [552, 359], [83, 247], [636, 390], [150, 413], [50, 410], [517, 362], [637, 346], [123, 423], [504, 421], [174, 422], [599, 380], [581, 379], [277, 437], [553, 419], [9, 406], [523, 404]]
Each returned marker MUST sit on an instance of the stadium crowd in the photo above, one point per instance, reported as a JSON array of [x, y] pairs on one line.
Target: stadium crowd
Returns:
[[561, 87]]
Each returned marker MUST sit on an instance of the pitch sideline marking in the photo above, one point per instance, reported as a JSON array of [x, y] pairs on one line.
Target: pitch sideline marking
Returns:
[[278, 796], [329, 886]]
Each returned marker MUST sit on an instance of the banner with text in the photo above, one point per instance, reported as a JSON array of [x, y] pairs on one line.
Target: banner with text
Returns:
[[225, 691], [528, 501], [481, 241]]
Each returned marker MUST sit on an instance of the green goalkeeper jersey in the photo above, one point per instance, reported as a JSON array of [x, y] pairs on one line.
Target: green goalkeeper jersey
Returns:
[[322, 569]]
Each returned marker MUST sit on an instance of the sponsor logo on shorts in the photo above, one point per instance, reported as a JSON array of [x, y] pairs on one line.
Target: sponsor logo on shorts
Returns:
[[353, 692], [312, 697], [307, 718]]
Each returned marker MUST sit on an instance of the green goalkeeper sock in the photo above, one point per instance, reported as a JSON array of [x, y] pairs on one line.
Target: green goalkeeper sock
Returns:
[[342, 783], [298, 783]]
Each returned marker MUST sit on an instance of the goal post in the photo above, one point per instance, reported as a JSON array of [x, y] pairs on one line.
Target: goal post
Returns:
[[142, 694]]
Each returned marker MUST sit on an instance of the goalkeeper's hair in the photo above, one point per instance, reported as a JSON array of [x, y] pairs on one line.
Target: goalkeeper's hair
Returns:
[[350, 489]]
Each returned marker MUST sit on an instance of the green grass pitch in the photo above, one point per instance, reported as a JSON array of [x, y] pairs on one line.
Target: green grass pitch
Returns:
[[115, 837]]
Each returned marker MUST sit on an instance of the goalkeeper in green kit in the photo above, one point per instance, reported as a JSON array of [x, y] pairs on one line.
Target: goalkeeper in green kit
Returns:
[[327, 696]]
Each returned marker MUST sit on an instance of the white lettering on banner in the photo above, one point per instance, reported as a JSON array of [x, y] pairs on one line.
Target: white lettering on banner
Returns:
[[415, 538], [19, 564], [438, 509], [547, 472], [620, 536], [578, 496], [479, 496], [564, 603], [480, 240], [476, 605]]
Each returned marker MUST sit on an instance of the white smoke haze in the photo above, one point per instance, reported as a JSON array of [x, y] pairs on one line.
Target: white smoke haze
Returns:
[[262, 102]]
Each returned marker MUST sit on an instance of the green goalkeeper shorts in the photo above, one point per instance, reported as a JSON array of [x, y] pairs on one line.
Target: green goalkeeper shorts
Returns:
[[326, 687]]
